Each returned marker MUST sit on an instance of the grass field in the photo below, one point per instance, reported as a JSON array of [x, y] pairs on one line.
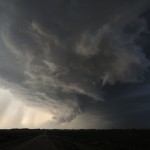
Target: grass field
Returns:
[[129, 139]]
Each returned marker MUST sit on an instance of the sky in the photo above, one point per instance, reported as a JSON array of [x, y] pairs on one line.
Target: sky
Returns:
[[72, 64]]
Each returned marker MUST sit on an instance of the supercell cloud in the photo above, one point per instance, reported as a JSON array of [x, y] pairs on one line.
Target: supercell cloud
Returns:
[[73, 61]]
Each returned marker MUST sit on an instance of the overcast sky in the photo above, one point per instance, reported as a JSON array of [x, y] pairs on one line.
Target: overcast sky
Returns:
[[74, 63]]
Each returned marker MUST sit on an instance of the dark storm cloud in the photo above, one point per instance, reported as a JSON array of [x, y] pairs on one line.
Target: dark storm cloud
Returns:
[[62, 54]]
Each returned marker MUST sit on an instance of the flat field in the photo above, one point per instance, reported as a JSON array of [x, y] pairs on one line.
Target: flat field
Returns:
[[118, 139]]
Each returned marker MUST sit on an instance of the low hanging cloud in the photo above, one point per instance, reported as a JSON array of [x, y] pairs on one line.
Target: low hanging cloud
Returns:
[[51, 62]]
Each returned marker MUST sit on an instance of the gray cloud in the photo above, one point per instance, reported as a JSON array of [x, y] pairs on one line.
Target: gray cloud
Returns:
[[59, 51], [118, 58]]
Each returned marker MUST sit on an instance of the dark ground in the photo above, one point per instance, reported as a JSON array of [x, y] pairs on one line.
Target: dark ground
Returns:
[[121, 139]]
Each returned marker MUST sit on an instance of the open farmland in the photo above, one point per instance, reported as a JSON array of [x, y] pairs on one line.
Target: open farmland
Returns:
[[23, 139]]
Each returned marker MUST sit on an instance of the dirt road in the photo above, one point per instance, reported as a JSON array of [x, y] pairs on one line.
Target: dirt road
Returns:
[[41, 142]]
